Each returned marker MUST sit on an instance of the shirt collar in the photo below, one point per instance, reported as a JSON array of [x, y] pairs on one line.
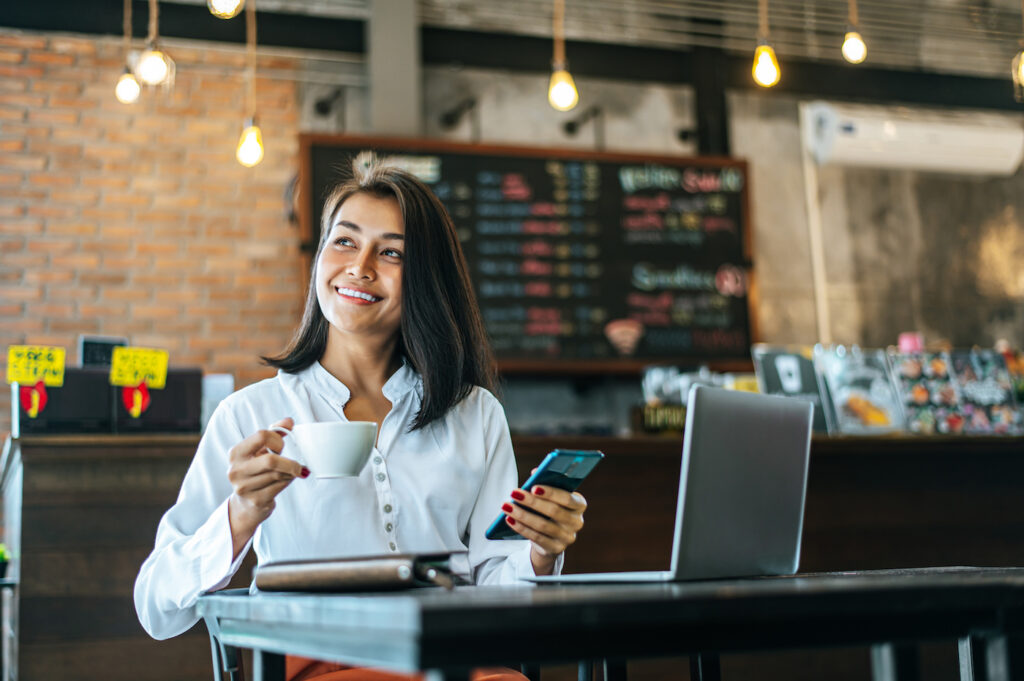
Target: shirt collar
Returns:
[[403, 381]]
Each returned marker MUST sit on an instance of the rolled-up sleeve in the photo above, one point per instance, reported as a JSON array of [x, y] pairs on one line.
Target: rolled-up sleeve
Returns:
[[192, 552]]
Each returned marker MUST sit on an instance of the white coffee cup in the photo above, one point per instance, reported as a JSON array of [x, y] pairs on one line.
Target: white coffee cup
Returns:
[[330, 449]]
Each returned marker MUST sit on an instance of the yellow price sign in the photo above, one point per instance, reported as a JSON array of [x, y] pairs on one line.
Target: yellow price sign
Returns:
[[29, 364], [132, 366]]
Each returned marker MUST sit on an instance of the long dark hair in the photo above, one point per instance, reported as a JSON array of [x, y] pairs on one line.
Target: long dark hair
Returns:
[[442, 334]]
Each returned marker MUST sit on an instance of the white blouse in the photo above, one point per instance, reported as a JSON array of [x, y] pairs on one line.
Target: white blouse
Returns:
[[432, 490]]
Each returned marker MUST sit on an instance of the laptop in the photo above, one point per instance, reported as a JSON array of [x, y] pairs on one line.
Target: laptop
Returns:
[[742, 485]]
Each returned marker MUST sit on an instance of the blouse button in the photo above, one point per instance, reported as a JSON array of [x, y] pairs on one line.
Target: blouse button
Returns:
[[387, 508], [389, 527], [380, 477], [377, 459], [392, 546]]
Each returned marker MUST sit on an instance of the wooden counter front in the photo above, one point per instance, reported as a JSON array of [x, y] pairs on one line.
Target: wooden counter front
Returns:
[[81, 514], [871, 502]]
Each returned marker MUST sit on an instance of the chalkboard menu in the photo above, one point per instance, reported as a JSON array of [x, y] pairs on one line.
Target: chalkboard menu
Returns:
[[593, 259]]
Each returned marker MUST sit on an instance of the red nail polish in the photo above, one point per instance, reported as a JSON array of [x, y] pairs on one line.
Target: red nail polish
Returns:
[[510, 521], [539, 491], [507, 508], [517, 495], [305, 472]]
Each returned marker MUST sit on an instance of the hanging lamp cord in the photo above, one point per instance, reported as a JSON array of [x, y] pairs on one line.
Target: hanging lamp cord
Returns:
[[250, 50], [854, 16], [127, 28], [558, 28], [762, 19], [154, 21]]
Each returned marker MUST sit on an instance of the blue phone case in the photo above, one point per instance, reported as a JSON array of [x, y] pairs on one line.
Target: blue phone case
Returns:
[[562, 468]]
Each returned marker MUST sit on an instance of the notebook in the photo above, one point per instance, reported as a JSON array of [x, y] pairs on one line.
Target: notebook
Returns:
[[742, 485]]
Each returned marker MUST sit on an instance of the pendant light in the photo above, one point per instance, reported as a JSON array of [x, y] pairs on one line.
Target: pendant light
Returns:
[[766, 67], [225, 9], [128, 89], [854, 49], [154, 67], [1017, 67], [250, 144], [562, 93]]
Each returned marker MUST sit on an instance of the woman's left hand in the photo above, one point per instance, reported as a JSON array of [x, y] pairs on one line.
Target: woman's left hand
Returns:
[[550, 536]]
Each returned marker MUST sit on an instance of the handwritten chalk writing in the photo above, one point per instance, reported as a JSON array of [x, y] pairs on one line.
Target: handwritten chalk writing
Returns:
[[690, 204], [503, 314], [576, 250], [538, 268], [486, 177], [651, 317], [498, 268], [131, 366], [543, 227], [515, 289], [544, 328], [427, 168], [642, 300], [658, 202], [712, 319], [591, 314], [504, 328], [514, 188], [717, 204], [578, 269], [498, 247], [539, 289], [442, 190], [647, 277], [31, 364], [643, 221], [706, 181], [499, 227], [636, 178], [545, 209], [504, 210], [488, 194], [680, 238], [538, 248], [718, 224]]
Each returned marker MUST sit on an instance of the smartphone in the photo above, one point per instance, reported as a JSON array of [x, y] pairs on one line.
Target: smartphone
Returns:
[[562, 468]]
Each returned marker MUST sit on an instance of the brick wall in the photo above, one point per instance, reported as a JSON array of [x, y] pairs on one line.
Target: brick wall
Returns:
[[136, 220]]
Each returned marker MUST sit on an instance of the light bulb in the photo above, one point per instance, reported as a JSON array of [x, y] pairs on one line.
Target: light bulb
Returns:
[[153, 67], [766, 66], [225, 9], [562, 92], [128, 89], [854, 49], [250, 145], [1018, 69]]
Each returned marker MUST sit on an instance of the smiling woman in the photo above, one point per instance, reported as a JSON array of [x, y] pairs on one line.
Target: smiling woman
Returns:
[[391, 333], [441, 333]]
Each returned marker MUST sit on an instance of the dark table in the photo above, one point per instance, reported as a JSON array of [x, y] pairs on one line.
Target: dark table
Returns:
[[449, 633]]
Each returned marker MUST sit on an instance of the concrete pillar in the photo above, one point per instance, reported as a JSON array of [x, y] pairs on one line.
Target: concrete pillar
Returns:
[[393, 41]]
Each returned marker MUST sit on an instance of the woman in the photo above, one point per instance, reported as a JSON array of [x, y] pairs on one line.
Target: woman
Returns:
[[390, 333]]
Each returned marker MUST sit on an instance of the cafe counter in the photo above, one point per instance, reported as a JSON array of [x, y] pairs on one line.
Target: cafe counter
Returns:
[[80, 515]]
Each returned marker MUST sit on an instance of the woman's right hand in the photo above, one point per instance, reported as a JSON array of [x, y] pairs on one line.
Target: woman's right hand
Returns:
[[258, 474]]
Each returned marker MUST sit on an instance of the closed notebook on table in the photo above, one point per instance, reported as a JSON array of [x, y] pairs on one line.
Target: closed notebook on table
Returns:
[[360, 573]]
